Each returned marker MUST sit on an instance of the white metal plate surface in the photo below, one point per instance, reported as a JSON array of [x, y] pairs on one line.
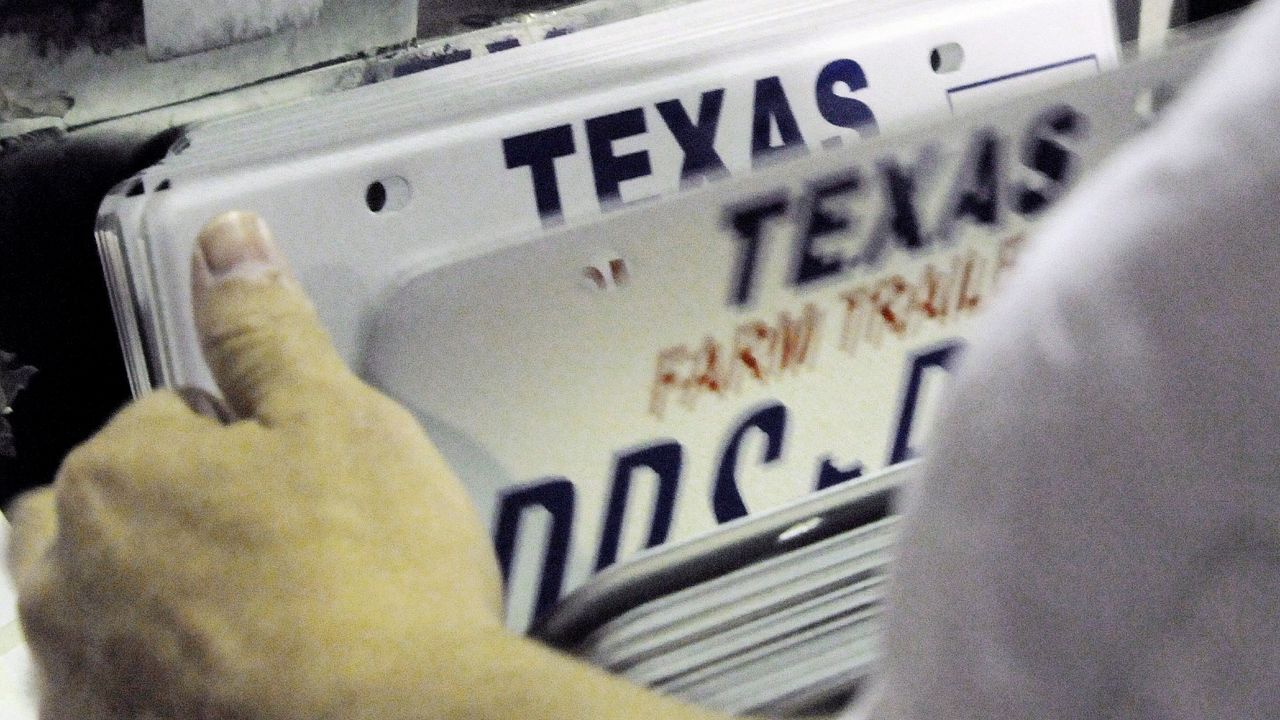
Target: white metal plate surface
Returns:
[[548, 361], [646, 378], [768, 99]]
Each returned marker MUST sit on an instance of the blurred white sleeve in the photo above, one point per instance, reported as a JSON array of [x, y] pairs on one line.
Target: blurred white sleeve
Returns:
[[1097, 534]]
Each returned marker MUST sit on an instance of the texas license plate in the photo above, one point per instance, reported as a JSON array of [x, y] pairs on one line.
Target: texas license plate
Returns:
[[645, 378]]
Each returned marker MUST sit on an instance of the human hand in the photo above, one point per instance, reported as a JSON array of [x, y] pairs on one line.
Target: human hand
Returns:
[[292, 564]]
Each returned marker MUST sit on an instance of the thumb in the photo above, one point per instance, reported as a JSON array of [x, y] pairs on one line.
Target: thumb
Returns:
[[261, 337]]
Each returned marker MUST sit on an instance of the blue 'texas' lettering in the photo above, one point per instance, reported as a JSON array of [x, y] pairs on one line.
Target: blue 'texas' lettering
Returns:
[[774, 134], [840, 110], [823, 222], [610, 170], [697, 140]]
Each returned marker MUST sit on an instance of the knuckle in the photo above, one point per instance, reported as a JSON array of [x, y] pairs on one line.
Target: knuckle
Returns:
[[76, 485], [79, 466], [34, 527], [114, 468], [31, 510]]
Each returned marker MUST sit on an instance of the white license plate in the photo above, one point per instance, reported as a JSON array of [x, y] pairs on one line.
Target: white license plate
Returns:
[[617, 386], [676, 364], [357, 183]]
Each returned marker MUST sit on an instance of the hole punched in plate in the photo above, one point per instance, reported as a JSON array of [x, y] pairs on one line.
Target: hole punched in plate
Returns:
[[387, 194], [609, 275], [946, 58]]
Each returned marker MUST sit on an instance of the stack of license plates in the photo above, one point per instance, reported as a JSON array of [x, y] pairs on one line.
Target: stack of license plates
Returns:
[[570, 259], [652, 281], [769, 612], [777, 613]]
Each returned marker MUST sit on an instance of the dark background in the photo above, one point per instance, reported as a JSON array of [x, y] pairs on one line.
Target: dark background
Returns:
[[54, 311]]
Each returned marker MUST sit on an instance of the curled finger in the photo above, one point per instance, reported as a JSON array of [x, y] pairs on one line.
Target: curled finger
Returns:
[[35, 524]]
